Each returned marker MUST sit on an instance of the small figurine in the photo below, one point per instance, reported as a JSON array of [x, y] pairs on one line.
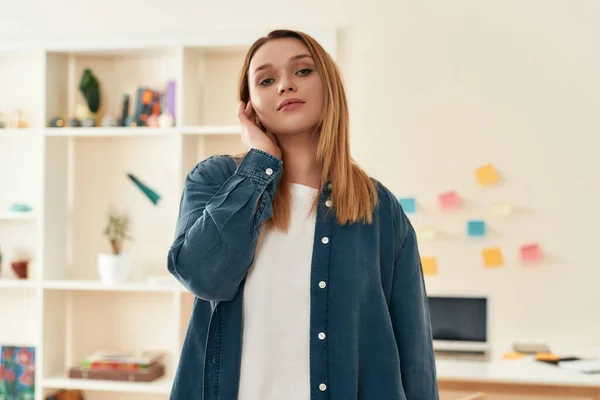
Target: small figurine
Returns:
[[57, 122], [74, 122]]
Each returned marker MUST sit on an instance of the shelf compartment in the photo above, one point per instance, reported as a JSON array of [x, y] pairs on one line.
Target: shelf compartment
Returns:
[[79, 323], [21, 80], [118, 72], [18, 315]]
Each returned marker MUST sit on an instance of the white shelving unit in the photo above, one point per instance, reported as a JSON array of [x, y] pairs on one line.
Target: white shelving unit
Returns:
[[72, 175]]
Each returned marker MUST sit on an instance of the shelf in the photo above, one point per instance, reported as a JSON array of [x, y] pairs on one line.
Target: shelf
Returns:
[[120, 131], [92, 285], [13, 283], [17, 216], [14, 132], [159, 386], [212, 130]]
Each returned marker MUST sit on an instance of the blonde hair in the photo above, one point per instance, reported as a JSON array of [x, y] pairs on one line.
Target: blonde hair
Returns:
[[354, 194]]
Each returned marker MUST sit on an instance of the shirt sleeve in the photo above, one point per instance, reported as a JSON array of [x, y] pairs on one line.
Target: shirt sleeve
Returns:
[[409, 310], [219, 222]]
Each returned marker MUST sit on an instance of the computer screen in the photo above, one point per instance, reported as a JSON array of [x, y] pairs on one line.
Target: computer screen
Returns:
[[459, 318]]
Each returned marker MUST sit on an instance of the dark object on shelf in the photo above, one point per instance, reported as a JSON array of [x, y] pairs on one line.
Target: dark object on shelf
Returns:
[[124, 110], [20, 268], [131, 122], [151, 194], [145, 104], [68, 394], [74, 123], [90, 89], [154, 372], [89, 122], [57, 122]]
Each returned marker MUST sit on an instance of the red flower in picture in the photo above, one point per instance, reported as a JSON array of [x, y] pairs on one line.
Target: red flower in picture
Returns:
[[24, 356], [2, 373], [10, 376], [26, 378]]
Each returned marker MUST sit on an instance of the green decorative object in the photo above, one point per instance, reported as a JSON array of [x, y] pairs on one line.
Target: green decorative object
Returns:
[[151, 194], [90, 89], [57, 122]]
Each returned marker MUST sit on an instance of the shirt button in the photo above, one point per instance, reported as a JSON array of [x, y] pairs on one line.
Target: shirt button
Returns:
[[328, 203], [325, 240], [330, 186], [322, 284], [321, 336], [323, 387], [269, 171]]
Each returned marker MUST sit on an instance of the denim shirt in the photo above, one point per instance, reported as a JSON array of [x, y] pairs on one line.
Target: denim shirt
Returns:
[[367, 290]]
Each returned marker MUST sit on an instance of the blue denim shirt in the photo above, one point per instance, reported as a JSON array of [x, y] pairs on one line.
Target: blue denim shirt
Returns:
[[367, 291]]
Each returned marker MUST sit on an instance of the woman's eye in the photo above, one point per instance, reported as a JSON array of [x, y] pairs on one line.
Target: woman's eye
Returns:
[[304, 71], [265, 81]]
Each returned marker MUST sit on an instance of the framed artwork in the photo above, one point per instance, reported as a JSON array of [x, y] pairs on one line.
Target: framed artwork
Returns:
[[17, 373]]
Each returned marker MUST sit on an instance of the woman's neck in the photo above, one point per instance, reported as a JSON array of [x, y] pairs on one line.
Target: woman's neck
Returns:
[[299, 159]]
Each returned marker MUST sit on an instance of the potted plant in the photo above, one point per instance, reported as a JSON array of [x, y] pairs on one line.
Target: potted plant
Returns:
[[115, 266]]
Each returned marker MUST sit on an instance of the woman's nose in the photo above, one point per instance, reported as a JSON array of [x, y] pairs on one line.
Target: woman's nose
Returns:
[[286, 85]]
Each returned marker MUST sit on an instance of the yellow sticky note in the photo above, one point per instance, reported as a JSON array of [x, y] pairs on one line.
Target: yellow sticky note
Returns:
[[502, 208], [486, 175], [511, 355], [546, 357], [492, 257], [429, 265], [426, 233]]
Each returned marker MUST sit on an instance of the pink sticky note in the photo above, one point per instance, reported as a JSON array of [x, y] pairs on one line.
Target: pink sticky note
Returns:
[[531, 252], [449, 200]]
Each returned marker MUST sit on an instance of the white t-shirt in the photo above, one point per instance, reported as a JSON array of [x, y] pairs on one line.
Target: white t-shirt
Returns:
[[276, 309]]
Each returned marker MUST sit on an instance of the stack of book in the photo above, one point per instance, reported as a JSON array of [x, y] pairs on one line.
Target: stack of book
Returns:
[[120, 366]]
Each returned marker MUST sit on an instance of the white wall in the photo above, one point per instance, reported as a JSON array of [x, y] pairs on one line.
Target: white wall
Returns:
[[437, 88]]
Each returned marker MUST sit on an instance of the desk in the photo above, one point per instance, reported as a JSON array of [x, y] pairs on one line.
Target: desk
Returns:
[[525, 377]]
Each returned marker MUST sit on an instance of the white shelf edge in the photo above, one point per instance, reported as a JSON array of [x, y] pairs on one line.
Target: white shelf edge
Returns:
[[121, 131], [19, 132], [18, 216], [14, 283], [160, 386], [96, 285], [211, 130]]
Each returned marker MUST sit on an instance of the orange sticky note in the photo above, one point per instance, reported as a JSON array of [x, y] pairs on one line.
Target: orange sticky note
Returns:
[[492, 257], [429, 265], [486, 175], [546, 357], [511, 355]]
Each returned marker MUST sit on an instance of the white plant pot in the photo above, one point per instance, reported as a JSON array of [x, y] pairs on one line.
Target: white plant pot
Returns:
[[114, 268]]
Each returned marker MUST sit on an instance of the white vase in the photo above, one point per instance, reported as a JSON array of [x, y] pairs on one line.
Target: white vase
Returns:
[[114, 268]]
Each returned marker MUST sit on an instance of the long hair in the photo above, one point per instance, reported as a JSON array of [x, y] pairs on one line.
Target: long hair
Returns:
[[354, 194]]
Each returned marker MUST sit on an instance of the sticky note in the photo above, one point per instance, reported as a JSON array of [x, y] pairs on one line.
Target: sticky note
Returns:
[[531, 252], [492, 257], [486, 175], [449, 200], [426, 233], [409, 204], [546, 357], [502, 208], [476, 228], [429, 265], [511, 355]]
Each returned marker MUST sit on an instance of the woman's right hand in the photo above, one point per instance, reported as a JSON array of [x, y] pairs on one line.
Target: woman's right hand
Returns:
[[252, 135]]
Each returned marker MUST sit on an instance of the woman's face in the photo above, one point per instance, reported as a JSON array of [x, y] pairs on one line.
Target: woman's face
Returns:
[[283, 70]]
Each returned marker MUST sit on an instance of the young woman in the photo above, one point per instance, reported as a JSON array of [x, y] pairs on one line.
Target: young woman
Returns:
[[306, 272]]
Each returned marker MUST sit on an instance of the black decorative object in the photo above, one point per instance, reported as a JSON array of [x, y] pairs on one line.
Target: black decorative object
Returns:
[[90, 89], [124, 110], [74, 123], [57, 122]]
